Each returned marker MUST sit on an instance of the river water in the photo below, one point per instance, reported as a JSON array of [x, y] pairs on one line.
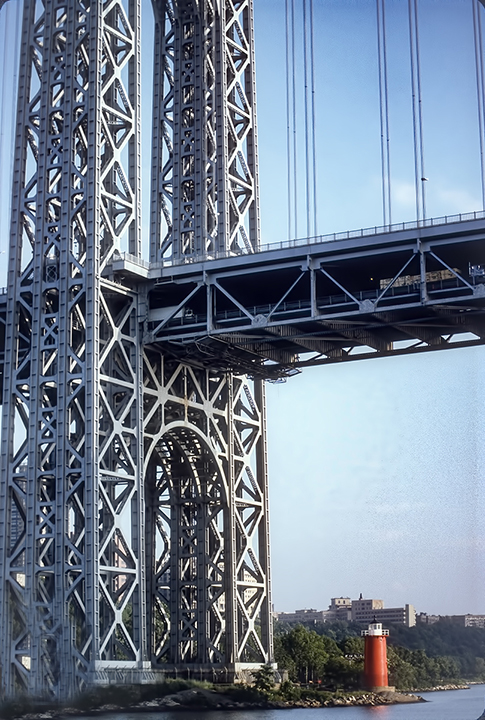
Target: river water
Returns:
[[446, 705]]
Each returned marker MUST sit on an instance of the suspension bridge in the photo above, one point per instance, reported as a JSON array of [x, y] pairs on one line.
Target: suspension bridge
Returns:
[[134, 538]]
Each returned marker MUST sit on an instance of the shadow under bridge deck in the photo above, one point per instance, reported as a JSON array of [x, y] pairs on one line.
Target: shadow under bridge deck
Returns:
[[409, 289], [271, 313]]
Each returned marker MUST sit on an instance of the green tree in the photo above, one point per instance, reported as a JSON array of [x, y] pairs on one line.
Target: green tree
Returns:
[[420, 656], [402, 674], [303, 653], [264, 678], [342, 672], [353, 646]]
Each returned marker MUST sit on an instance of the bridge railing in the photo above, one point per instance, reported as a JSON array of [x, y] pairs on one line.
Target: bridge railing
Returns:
[[331, 237], [376, 230], [316, 240]]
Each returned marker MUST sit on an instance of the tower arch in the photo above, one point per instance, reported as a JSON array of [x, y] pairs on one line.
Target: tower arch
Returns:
[[187, 512]]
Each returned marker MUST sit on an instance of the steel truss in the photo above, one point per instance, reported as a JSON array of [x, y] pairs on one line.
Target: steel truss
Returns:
[[207, 518], [133, 515], [390, 293], [204, 173]]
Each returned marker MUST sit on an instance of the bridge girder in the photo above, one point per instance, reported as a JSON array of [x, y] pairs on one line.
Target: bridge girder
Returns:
[[403, 291]]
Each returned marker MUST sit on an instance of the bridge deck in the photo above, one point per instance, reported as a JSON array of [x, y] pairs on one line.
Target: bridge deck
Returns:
[[336, 299], [404, 290]]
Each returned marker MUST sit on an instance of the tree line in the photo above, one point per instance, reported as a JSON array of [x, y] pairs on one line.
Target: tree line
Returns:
[[332, 654]]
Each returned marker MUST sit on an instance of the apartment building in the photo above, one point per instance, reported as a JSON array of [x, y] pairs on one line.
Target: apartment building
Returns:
[[306, 615], [365, 611]]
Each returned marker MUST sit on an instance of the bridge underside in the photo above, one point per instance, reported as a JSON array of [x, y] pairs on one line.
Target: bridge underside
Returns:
[[273, 313]]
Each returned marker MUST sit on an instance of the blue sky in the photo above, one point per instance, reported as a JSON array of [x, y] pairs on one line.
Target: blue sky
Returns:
[[376, 467], [347, 112], [376, 473]]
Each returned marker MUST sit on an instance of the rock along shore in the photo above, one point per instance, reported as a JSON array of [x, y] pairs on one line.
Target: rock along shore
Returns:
[[437, 688], [199, 699], [187, 699]]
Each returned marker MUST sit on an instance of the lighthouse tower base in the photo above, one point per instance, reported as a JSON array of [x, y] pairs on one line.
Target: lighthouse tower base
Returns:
[[375, 658]]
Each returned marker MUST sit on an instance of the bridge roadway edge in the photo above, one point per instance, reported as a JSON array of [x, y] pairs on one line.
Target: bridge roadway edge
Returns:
[[275, 312], [314, 304]]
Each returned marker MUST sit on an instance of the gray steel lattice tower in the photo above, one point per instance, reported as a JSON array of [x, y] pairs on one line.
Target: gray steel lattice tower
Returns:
[[133, 516]]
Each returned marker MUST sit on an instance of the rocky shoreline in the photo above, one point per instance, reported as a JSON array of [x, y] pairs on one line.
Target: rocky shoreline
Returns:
[[201, 699], [207, 699], [438, 688]]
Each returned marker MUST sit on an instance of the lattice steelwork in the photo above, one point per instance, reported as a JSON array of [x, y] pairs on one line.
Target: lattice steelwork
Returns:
[[133, 517], [204, 174], [207, 534]]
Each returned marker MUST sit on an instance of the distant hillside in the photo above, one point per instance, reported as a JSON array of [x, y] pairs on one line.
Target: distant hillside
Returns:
[[466, 645], [441, 638]]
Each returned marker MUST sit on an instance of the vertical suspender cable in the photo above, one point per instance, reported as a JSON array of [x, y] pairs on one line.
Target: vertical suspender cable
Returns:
[[386, 104], [384, 112], [5, 119], [307, 146], [309, 117], [478, 42], [15, 80], [3, 40], [314, 148], [10, 23], [419, 178], [3, 114], [413, 91], [293, 90], [420, 112], [288, 115]]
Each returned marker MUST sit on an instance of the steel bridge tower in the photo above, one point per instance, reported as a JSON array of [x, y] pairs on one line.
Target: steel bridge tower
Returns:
[[133, 516]]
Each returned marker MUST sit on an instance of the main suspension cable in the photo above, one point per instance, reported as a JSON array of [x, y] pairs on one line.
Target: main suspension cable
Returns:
[[480, 88], [384, 112]]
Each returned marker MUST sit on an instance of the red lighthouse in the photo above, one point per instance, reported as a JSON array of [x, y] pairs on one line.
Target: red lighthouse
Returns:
[[375, 658]]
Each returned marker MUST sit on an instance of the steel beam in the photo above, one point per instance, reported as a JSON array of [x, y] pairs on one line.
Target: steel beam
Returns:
[[204, 170], [325, 301], [276, 311], [72, 573]]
